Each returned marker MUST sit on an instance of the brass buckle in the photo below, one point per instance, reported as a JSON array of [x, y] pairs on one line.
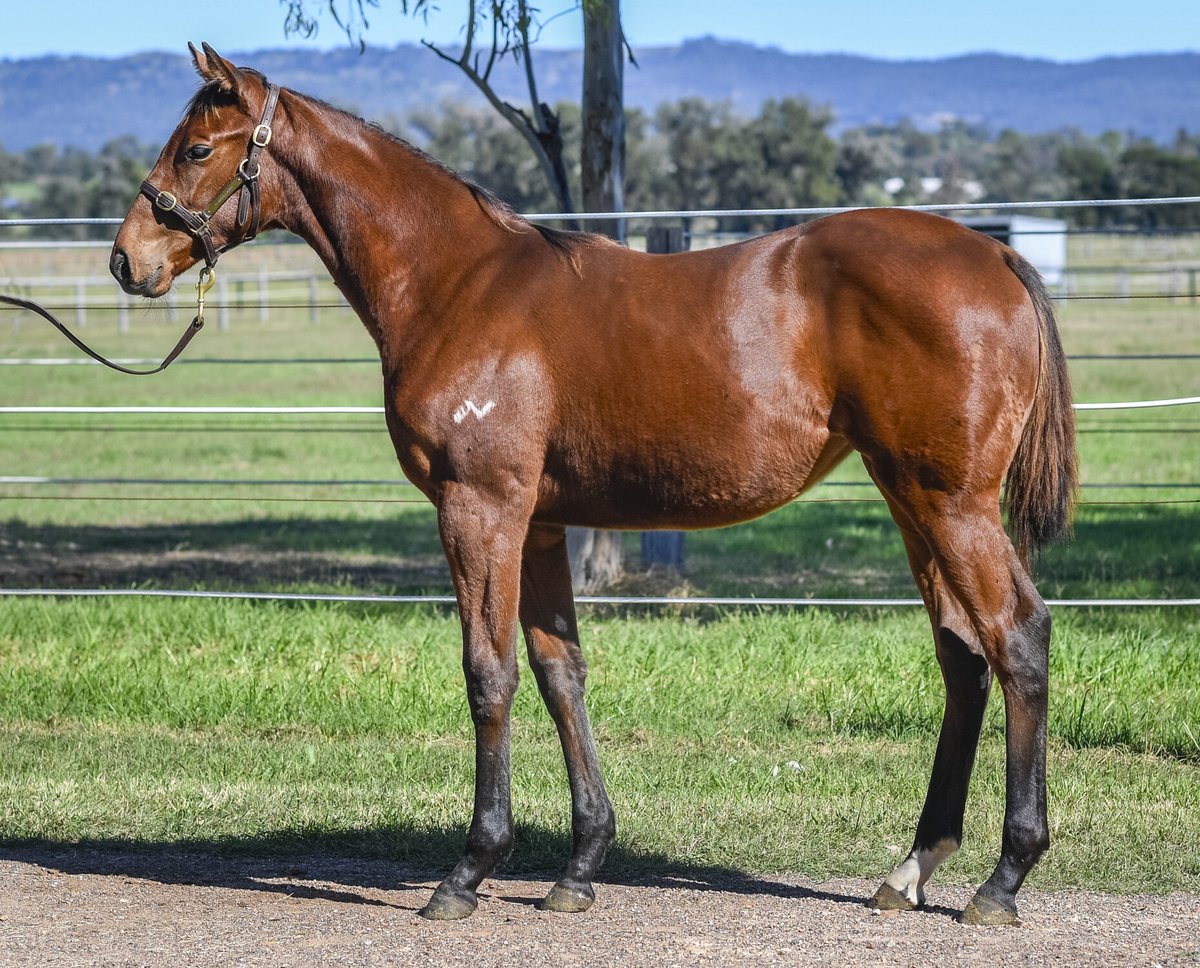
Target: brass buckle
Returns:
[[166, 201], [261, 136], [208, 276]]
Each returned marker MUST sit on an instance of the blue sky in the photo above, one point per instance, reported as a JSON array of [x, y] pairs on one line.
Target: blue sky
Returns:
[[1056, 29]]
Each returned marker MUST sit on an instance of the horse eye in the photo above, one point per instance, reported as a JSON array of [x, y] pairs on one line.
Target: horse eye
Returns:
[[198, 152]]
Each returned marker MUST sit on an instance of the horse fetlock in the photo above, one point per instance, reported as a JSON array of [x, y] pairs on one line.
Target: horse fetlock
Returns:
[[489, 846]]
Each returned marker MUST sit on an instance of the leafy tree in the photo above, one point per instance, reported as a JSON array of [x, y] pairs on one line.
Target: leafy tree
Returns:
[[12, 169], [1148, 170], [61, 197], [481, 147], [862, 165], [792, 161], [696, 134], [1089, 170]]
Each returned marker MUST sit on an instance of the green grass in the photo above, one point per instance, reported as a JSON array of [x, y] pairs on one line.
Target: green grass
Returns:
[[272, 728], [761, 742]]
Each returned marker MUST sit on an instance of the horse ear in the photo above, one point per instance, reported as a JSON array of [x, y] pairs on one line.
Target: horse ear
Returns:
[[214, 68]]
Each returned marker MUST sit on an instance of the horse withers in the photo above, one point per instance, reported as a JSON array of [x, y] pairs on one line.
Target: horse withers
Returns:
[[535, 379]]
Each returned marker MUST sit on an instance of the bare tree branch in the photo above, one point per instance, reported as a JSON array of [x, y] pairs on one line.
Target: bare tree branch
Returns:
[[511, 22]]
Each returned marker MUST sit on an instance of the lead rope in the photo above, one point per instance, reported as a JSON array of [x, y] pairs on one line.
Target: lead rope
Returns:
[[203, 284]]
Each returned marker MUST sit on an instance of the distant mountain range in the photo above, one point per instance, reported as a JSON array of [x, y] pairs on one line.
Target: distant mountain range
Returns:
[[85, 101]]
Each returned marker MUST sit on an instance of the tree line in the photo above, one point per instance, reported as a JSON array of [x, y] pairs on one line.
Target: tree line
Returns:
[[696, 154]]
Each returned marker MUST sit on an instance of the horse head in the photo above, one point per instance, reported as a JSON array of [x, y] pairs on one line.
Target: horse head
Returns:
[[217, 151]]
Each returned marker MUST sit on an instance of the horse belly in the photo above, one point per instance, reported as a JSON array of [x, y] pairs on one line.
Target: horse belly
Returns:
[[704, 485]]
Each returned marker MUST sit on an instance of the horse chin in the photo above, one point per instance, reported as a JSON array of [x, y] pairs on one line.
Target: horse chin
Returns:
[[152, 287]]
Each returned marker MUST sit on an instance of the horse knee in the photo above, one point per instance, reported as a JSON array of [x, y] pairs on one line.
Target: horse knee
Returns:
[[490, 695]]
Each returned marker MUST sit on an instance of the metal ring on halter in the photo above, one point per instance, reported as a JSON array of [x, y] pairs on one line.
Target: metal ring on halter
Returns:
[[245, 174]]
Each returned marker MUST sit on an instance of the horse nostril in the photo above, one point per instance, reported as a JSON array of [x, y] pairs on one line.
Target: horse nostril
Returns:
[[118, 265]]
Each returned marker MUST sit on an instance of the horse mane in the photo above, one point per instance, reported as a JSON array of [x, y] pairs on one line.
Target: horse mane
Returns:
[[568, 244]]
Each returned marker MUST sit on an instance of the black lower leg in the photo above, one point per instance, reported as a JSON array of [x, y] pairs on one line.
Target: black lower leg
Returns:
[[1026, 830], [490, 838], [939, 831], [968, 683], [548, 617]]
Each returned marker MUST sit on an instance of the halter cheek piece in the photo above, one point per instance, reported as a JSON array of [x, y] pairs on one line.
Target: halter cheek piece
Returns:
[[245, 179]]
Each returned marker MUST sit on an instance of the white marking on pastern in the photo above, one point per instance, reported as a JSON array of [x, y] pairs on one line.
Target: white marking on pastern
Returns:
[[911, 876]]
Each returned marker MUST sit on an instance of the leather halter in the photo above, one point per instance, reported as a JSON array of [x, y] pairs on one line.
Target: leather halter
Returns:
[[199, 223]]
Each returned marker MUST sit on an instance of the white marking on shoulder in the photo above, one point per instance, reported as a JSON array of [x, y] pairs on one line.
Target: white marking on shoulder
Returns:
[[469, 407]]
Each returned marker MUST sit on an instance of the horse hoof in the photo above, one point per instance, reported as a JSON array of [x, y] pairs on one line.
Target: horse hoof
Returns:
[[567, 900], [985, 910], [444, 906], [887, 898]]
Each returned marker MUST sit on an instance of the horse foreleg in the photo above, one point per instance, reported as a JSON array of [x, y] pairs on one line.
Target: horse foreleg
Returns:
[[482, 540], [968, 682], [552, 639]]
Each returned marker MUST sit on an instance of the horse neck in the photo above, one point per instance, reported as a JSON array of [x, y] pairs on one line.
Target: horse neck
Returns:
[[393, 227]]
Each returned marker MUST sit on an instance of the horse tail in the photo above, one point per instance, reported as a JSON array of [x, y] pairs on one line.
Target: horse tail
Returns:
[[1043, 478]]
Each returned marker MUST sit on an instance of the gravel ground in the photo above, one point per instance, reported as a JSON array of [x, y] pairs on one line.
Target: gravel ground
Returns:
[[92, 907]]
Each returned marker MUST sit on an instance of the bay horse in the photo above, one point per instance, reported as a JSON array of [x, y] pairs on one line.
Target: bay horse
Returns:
[[535, 379]]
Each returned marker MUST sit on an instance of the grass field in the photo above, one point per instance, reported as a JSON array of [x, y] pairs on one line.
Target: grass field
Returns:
[[753, 740]]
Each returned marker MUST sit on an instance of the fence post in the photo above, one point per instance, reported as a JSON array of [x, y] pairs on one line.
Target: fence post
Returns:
[[80, 308], [122, 312], [664, 547], [263, 313], [222, 304], [313, 313]]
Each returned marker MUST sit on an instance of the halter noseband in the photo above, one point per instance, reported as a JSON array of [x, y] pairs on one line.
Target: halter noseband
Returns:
[[199, 224]]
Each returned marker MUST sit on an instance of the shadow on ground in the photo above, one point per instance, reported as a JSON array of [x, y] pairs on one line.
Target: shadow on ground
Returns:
[[353, 863], [815, 549]]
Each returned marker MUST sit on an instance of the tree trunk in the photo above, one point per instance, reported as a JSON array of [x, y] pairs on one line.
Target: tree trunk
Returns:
[[596, 555], [602, 159]]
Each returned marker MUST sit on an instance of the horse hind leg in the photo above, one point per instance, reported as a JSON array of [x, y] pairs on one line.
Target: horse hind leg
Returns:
[[547, 611], [1011, 625], [967, 680]]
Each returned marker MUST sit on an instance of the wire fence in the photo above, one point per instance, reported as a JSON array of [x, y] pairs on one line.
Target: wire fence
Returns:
[[1125, 283], [617, 600]]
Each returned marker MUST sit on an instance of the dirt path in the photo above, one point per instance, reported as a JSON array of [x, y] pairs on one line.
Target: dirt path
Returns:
[[173, 909]]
